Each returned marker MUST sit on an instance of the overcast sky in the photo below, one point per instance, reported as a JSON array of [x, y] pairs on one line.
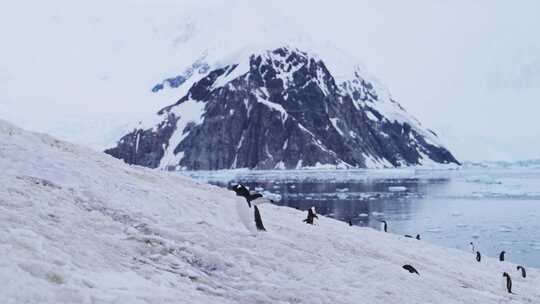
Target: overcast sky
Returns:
[[470, 70]]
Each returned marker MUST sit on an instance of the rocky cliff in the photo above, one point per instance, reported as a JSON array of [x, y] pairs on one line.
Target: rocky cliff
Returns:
[[282, 108]]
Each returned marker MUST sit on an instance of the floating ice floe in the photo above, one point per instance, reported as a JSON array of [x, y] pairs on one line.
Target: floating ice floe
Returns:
[[505, 229], [483, 179], [342, 196], [397, 188], [434, 229], [272, 196]]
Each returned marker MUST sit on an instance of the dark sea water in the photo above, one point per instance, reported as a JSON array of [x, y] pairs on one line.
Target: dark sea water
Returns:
[[497, 209]]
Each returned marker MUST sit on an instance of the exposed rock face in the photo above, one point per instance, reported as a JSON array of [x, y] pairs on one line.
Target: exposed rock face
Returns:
[[282, 109]]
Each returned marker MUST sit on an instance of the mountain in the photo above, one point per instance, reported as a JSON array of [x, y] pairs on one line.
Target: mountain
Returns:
[[283, 108], [77, 226]]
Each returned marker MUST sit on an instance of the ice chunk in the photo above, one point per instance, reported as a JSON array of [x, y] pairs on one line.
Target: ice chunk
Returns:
[[397, 188], [483, 179]]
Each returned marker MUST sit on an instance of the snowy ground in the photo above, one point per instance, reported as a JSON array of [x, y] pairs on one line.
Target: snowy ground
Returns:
[[80, 227]]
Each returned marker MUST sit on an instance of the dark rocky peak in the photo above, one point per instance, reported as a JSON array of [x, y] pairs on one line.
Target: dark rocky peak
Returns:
[[282, 108]]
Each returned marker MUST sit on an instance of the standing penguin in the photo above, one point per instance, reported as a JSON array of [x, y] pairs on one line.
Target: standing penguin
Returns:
[[350, 223], [249, 213], [523, 272], [508, 282], [312, 215], [384, 226], [418, 237], [478, 256], [501, 256]]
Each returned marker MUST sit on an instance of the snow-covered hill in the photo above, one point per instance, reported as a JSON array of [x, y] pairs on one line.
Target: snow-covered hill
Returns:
[[281, 107], [82, 227]]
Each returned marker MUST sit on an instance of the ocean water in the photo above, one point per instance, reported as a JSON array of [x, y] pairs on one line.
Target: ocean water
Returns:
[[495, 208]]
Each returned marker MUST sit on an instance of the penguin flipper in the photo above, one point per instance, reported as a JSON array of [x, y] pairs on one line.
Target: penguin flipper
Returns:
[[258, 220]]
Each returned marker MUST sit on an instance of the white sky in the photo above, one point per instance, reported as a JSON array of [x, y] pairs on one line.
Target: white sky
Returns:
[[470, 70]]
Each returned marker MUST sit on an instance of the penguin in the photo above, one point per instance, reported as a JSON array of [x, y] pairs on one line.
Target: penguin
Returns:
[[384, 226], [523, 272], [410, 269], [312, 215], [410, 236], [472, 246], [501, 256], [350, 222], [508, 282], [478, 256], [245, 212], [241, 190]]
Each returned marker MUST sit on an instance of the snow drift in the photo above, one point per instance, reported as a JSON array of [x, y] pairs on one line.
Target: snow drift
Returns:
[[78, 226]]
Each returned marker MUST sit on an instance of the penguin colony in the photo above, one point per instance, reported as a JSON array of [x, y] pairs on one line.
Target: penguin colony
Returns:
[[254, 199]]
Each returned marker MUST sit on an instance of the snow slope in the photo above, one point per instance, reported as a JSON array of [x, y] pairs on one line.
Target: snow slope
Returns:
[[81, 227]]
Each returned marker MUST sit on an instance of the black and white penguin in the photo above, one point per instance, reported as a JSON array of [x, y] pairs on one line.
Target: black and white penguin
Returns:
[[410, 236], [472, 246], [312, 215], [384, 226], [350, 223], [501, 256], [241, 190], [249, 213], [523, 272], [478, 256], [508, 282], [410, 269]]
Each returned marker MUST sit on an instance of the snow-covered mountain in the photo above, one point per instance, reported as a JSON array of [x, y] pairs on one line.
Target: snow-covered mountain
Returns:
[[98, 61], [77, 226], [282, 108]]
